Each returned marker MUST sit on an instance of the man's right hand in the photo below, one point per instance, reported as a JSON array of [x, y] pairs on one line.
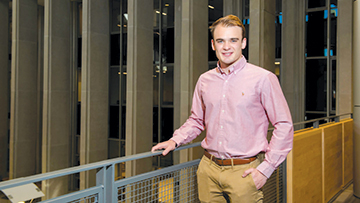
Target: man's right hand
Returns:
[[167, 145]]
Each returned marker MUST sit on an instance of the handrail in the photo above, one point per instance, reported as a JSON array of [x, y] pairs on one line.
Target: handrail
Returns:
[[86, 167], [90, 166], [319, 119]]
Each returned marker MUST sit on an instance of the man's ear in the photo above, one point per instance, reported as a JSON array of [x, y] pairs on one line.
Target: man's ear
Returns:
[[212, 44], [243, 43]]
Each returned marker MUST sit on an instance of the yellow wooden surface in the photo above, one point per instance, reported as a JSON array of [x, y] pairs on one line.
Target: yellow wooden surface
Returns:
[[347, 150], [333, 169], [304, 167]]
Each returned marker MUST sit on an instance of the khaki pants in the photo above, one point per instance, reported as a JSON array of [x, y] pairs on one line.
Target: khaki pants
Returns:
[[226, 184]]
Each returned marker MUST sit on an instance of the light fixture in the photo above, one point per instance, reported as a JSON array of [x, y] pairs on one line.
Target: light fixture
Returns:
[[158, 12], [164, 14], [166, 4], [212, 7], [277, 63], [126, 16]]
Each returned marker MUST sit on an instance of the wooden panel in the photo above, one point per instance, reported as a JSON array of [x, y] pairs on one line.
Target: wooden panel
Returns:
[[304, 167], [332, 136], [347, 150]]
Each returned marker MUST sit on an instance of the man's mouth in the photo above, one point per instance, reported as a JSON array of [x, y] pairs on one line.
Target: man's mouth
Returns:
[[227, 54]]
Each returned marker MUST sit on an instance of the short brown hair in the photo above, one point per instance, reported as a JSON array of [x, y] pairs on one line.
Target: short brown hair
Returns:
[[228, 21]]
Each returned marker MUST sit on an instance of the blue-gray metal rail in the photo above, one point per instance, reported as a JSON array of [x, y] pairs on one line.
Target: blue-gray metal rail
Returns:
[[86, 167], [109, 190]]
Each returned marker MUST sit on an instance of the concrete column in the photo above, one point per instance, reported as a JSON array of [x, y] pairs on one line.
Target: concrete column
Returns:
[[233, 7], [40, 84], [191, 60], [344, 56], [57, 95], [139, 93], [356, 85], [4, 87], [177, 66], [292, 65], [262, 32], [94, 87], [24, 93]]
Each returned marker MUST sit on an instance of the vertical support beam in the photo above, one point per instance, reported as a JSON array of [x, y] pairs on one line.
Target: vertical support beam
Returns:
[[57, 95], [262, 32], [344, 56], [139, 109], [233, 7], [4, 87], [177, 68], [40, 87], [356, 85], [94, 87], [292, 69], [194, 62], [24, 83], [105, 176]]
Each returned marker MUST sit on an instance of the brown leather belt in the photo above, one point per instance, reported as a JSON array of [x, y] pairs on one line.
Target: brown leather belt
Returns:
[[227, 162]]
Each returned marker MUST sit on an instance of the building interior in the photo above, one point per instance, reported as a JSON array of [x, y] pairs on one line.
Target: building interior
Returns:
[[82, 81]]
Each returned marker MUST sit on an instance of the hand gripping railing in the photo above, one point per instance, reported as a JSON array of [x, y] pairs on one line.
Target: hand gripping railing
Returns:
[[105, 177]]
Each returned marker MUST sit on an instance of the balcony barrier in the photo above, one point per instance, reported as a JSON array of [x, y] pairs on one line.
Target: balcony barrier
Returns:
[[291, 182]]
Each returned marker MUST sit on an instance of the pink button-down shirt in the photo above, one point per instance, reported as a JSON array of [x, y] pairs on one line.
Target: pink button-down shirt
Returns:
[[235, 109]]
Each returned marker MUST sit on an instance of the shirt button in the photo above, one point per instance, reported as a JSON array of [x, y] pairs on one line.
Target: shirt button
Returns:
[[222, 157], [224, 95], [221, 127], [225, 80], [220, 142], [223, 111]]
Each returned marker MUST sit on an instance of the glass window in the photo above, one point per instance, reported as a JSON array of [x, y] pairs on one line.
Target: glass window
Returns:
[[316, 3], [333, 85], [316, 84], [246, 10], [168, 84], [168, 45], [215, 10], [278, 27], [245, 51], [333, 28], [211, 52], [311, 116], [316, 33], [116, 16], [115, 50]]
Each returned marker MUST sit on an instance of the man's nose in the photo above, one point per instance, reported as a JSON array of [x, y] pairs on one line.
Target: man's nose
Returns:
[[226, 45]]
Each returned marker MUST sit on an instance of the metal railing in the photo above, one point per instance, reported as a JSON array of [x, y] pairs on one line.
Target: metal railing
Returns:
[[171, 184]]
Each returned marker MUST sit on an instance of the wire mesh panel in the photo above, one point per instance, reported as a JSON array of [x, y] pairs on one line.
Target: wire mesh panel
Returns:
[[171, 185], [90, 195], [273, 189], [90, 199]]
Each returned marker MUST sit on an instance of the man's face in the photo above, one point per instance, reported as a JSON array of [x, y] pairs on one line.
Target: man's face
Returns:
[[228, 44]]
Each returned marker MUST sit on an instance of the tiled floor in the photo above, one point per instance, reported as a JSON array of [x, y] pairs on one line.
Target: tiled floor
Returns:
[[347, 196]]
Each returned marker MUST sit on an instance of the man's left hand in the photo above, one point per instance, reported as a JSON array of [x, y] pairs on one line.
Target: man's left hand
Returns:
[[259, 178]]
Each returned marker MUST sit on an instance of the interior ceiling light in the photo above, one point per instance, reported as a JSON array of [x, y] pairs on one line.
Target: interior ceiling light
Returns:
[[212, 7], [166, 4]]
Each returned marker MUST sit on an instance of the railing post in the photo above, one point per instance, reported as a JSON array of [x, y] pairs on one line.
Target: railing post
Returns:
[[316, 124], [105, 177]]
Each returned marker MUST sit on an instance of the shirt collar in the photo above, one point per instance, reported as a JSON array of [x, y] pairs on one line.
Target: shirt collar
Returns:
[[235, 67]]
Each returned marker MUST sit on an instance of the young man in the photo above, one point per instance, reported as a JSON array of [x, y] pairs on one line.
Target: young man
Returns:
[[235, 103]]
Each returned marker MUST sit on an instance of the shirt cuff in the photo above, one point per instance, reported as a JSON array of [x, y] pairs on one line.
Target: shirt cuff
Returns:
[[176, 141], [266, 169]]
